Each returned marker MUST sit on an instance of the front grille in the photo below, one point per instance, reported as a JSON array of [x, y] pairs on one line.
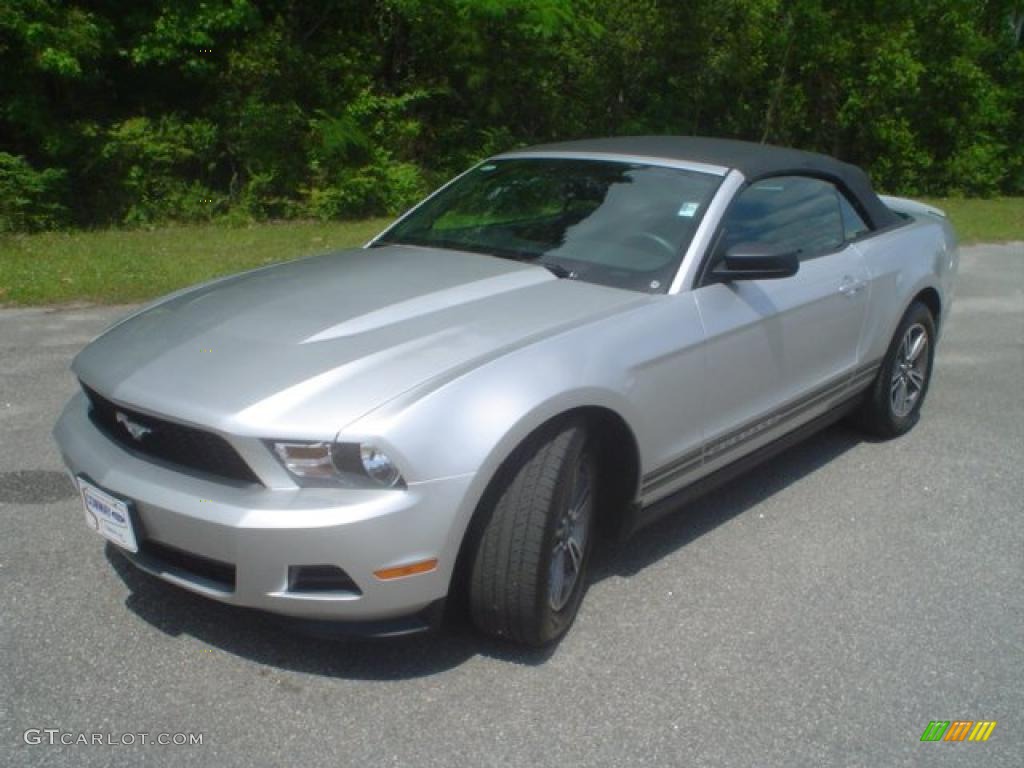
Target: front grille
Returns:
[[187, 564], [168, 441]]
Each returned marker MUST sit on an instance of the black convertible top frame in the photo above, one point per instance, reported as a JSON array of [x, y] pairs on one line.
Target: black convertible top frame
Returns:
[[754, 161]]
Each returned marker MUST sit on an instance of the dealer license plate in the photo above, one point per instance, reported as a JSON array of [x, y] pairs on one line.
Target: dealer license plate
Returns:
[[108, 516]]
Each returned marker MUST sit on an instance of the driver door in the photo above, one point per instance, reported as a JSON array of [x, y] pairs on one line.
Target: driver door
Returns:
[[778, 352]]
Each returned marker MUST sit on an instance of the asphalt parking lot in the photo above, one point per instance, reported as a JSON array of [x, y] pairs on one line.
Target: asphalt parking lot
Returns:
[[818, 612]]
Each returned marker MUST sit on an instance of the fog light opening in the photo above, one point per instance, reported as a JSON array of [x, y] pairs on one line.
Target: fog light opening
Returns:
[[320, 578]]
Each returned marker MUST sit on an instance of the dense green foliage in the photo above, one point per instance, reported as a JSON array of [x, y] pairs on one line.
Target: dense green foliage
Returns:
[[115, 112]]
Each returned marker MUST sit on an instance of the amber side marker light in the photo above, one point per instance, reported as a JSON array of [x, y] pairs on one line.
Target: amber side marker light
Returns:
[[387, 574]]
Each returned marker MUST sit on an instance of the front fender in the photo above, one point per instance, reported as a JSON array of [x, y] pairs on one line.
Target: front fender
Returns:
[[471, 424]]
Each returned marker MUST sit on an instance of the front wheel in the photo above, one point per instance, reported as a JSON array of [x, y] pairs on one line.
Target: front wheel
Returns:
[[529, 569], [893, 404]]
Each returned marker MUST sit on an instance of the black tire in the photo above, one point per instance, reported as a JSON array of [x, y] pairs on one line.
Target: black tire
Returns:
[[878, 415], [524, 519]]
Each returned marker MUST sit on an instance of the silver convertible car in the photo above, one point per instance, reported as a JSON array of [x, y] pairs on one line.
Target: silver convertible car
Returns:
[[564, 342]]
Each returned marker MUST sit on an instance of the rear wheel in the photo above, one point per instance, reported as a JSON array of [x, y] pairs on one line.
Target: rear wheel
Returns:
[[529, 570], [893, 404]]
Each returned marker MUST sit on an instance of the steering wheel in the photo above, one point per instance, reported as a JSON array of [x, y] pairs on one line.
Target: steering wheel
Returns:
[[650, 237]]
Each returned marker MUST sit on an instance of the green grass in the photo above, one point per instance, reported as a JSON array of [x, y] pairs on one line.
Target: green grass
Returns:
[[119, 266], [996, 220]]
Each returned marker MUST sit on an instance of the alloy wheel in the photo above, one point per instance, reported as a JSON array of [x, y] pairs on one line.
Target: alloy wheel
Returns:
[[910, 371], [571, 539]]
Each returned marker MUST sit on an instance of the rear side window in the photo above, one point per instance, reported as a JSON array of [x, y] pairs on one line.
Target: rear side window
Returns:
[[853, 224], [792, 212]]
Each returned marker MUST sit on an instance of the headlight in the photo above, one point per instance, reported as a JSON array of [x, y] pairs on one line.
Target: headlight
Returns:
[[306, 460], [350, 465], [379, 466]]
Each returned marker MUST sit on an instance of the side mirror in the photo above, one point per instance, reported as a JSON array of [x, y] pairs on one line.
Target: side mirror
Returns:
[[757, 261]]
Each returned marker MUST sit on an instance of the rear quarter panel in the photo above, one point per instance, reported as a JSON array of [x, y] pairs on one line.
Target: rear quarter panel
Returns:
[[901, 263]]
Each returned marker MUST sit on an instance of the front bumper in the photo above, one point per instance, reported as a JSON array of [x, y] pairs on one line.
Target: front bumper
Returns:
[[195, 532]]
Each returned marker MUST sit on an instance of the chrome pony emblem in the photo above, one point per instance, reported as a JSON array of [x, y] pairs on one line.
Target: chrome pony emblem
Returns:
[[136, 430]]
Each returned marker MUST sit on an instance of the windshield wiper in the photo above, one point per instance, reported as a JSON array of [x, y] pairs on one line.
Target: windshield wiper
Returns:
[[534, 258], [502, 253], [557, 270]]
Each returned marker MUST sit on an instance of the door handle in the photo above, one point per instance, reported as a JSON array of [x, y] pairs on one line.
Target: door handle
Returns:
[[851, 287]]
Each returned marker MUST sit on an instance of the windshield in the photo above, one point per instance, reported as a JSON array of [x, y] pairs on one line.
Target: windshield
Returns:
[[615, 223]]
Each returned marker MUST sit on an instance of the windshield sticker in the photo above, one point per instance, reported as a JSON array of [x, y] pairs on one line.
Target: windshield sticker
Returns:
[[688, 209]]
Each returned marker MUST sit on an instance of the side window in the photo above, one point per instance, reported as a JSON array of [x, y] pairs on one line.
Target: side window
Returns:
[[853, 224], [794, 212]]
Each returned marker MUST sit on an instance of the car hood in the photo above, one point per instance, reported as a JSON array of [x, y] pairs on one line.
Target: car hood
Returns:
[[303, 348]]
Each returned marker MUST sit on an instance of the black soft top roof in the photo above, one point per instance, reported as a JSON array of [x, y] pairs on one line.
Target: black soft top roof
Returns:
[[754, 161]]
